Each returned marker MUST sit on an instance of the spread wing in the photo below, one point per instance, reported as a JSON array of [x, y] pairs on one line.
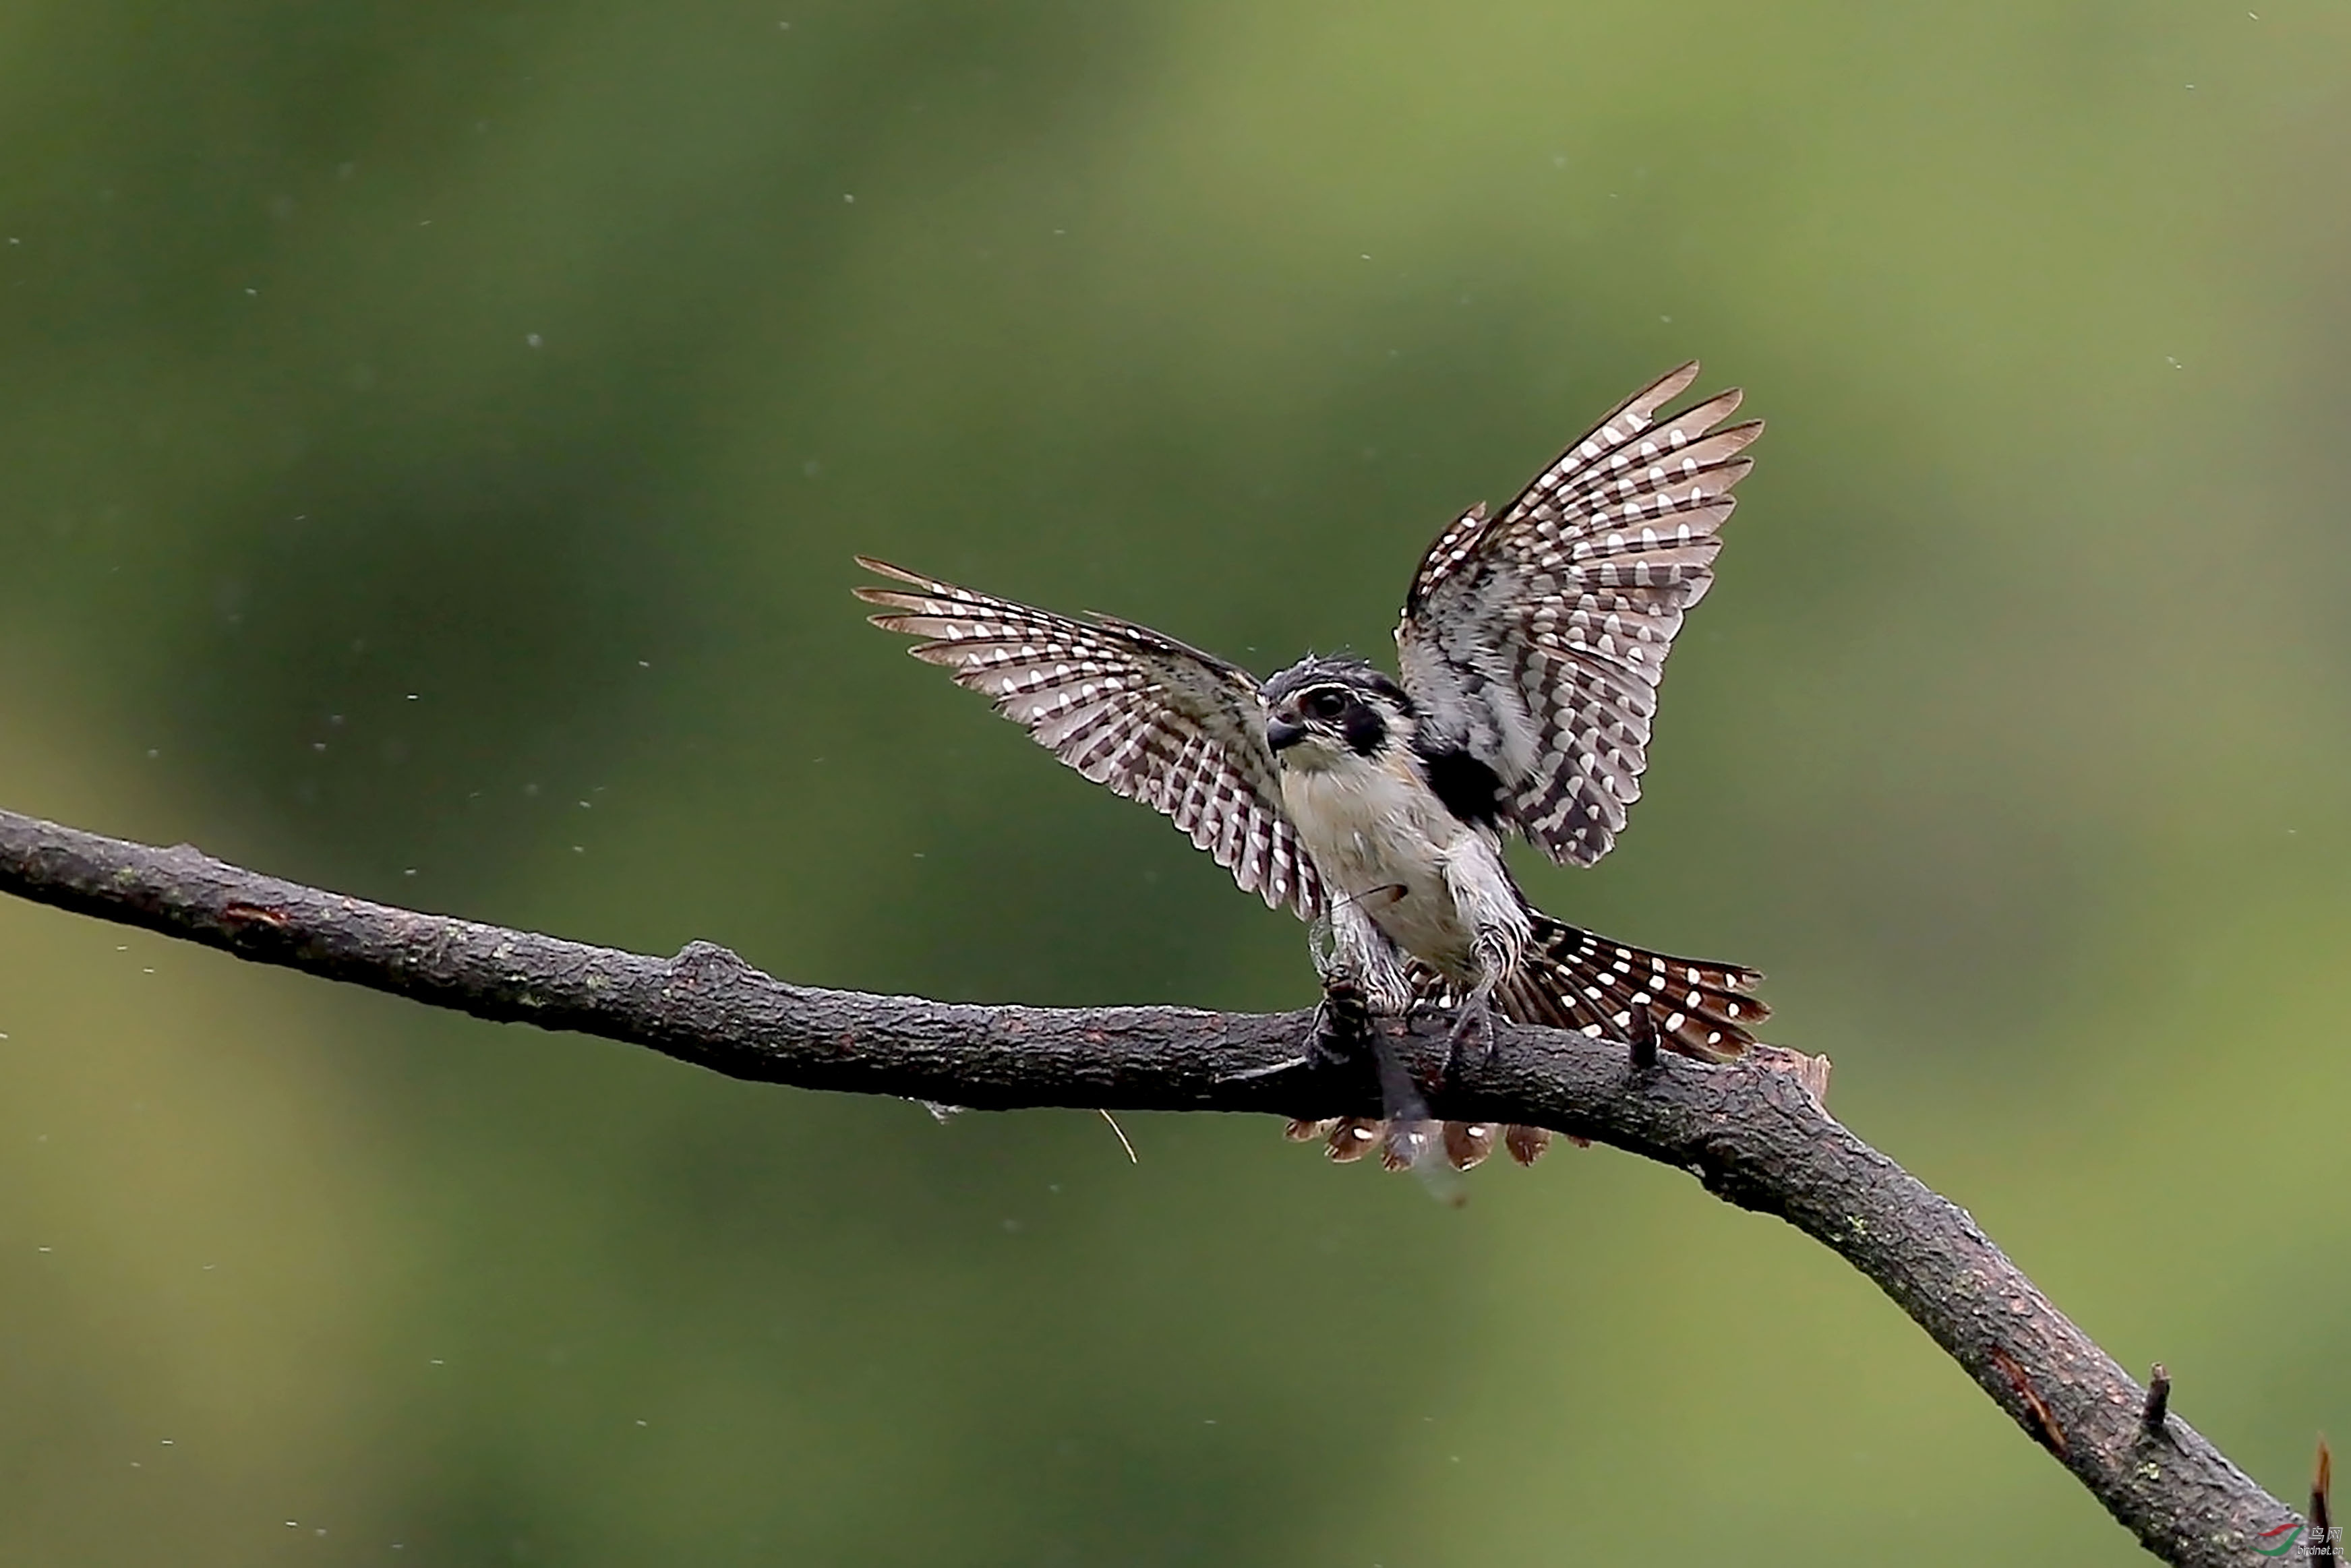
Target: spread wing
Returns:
[[1539, 637], [1155, 720]]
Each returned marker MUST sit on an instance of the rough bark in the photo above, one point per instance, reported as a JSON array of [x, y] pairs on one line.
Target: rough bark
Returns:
[[1754, 1136]]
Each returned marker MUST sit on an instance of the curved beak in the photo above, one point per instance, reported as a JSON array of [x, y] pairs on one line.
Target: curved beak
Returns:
[[1281, 734]]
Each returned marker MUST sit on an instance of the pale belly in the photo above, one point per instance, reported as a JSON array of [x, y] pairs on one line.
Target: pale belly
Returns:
[[1369, 835]]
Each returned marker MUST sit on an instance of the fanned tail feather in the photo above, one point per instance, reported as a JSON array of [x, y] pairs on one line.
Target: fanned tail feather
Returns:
[[1345, 1139], [1466, 1144], [1572, 978]]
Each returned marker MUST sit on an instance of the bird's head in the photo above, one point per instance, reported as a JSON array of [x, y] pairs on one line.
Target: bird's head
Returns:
[[1320, 712]]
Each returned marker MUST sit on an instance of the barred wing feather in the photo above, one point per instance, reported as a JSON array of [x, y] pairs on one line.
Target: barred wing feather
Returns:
[[1155, 720], [1548, 627]]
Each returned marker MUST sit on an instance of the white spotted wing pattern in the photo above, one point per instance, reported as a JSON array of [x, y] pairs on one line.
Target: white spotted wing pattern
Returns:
[[1547, 628], [1534, 640], [1151, 717]]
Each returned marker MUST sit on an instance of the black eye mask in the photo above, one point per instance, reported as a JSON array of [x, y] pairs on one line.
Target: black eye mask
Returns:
[[1364, 729]]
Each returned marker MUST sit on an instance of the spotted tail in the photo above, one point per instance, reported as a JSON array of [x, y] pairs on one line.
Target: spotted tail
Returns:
[[1570, 979]]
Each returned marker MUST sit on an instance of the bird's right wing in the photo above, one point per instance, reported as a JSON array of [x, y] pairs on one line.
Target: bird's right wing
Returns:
[[1157, 721]]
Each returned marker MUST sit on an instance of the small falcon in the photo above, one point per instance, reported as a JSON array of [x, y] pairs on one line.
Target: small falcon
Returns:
[[1530, 652]]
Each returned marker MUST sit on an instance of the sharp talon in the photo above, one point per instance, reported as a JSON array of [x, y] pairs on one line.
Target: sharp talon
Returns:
[[1475, 1015]]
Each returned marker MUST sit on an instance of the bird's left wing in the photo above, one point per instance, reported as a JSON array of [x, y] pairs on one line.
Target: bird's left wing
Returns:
[[1153, 718], [1538, 638]]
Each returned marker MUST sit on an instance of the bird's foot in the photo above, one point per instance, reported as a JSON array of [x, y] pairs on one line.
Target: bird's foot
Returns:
[[1342, 1023], [1474, 1016]]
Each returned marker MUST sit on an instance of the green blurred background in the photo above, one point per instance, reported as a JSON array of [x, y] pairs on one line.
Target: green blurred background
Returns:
[[434, 435]]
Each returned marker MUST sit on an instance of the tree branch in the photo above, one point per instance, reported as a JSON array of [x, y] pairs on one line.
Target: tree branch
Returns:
[[1755, 1137]]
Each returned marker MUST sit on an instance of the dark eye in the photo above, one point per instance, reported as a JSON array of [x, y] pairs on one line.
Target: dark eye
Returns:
[[1326, 704]]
